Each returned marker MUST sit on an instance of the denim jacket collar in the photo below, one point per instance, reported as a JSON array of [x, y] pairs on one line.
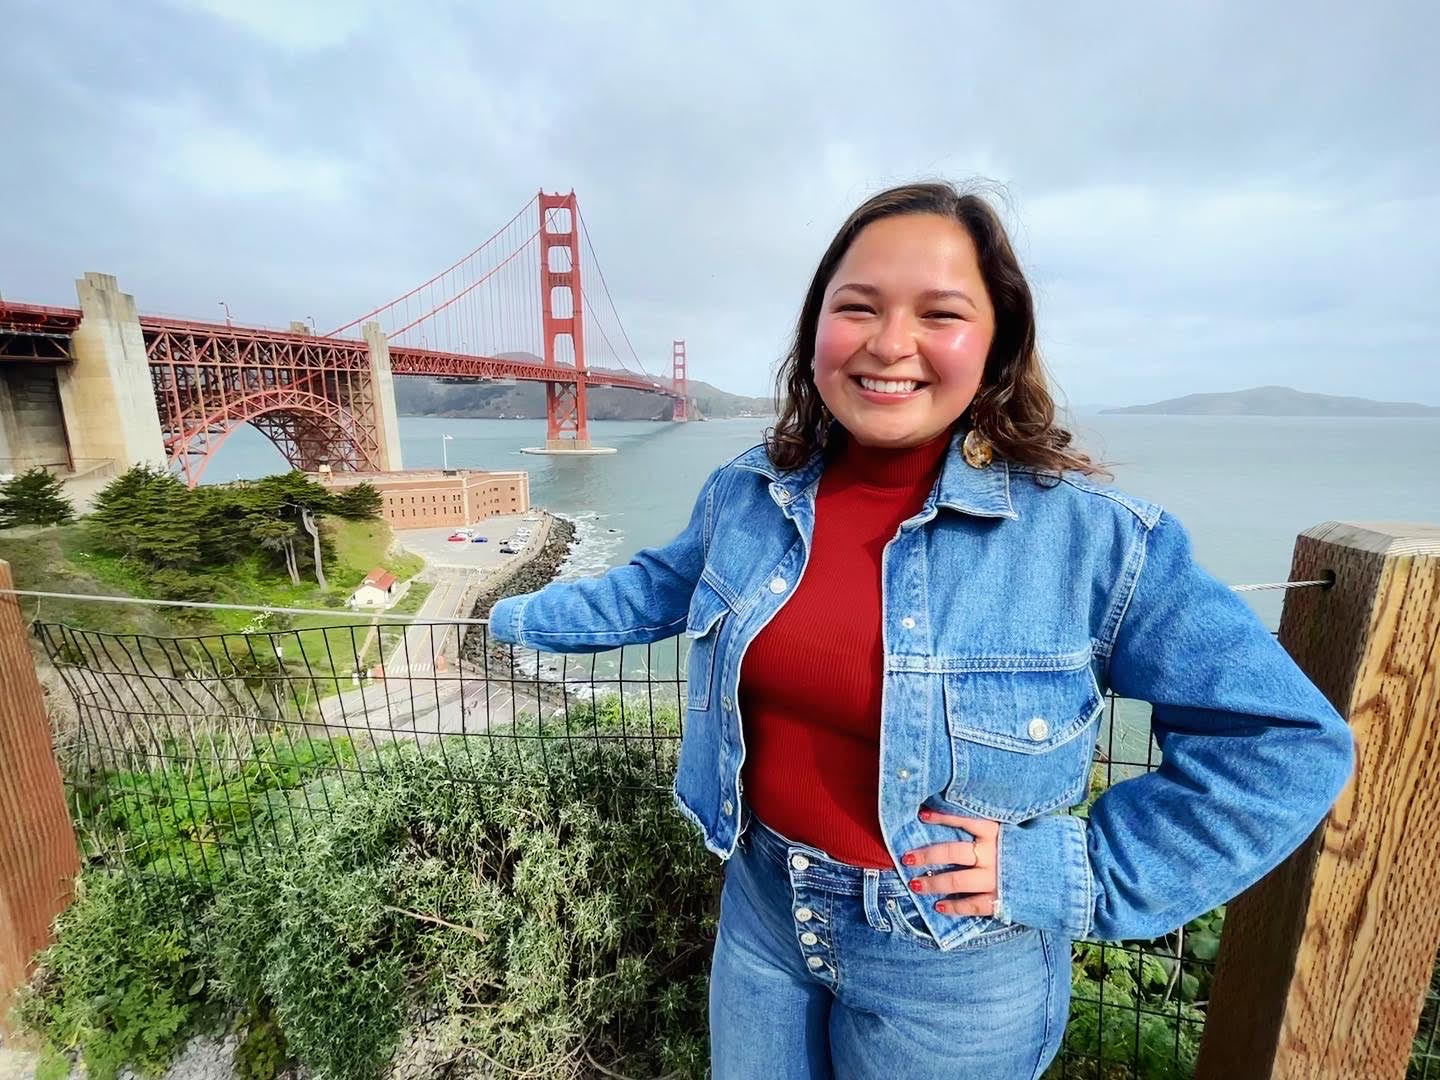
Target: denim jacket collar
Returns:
[[961, 487]]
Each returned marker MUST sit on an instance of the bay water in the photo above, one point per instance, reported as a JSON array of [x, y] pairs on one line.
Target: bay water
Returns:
[[1244, 486]]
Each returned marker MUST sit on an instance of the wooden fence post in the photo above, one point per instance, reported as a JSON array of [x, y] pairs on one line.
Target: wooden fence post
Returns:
[[38, 857], [1323, 965]]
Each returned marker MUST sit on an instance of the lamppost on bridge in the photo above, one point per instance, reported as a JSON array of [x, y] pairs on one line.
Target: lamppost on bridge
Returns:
[[445, 441], [227, 312], [313, 329]]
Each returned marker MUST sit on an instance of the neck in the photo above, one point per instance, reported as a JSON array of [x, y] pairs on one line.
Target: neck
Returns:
[[892, 467]]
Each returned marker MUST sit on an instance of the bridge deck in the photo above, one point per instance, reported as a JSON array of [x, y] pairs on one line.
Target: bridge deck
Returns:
[[37, 333]]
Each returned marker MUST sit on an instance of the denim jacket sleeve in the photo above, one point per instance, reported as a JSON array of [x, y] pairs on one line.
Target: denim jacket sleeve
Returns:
[[645, 600], [1253, 758]]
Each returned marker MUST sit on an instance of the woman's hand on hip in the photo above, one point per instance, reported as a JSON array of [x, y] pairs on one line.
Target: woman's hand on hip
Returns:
[[970, 891]]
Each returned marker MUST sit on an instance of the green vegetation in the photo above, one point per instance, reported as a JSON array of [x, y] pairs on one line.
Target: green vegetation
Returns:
[[126, 981], [1138, 1007], [246, 543], [195, 815], [33, 498], [550, 913]]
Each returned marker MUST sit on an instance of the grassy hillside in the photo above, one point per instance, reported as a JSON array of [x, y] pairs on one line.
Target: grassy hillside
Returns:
[[66, 559]]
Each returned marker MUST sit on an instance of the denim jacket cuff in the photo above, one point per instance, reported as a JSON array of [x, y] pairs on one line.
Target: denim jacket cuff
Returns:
[[505, 619], [1044, 876]]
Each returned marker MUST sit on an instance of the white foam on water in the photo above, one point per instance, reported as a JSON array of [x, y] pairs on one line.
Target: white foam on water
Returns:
[[592, 552], [594, 549]]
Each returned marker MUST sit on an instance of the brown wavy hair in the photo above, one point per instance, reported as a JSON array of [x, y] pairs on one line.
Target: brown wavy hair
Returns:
[[1013, 407]]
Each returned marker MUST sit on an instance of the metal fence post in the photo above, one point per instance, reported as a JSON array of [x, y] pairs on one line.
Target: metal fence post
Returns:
[[1323, 965], [38, 857]]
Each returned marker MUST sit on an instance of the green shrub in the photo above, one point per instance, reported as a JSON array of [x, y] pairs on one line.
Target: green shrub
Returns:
[[549, 910], [1158, 1042], [544, 900], [177, 819], [34, 498], [125, 982]]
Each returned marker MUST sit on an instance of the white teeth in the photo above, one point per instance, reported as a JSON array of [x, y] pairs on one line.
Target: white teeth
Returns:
[[887, 386]]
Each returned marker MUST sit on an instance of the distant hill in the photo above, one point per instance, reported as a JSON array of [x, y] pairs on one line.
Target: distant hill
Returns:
[[417, 396], [1277, 401]]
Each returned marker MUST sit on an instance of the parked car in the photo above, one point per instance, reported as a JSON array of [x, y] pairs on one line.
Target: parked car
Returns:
[[506, 549], [455, 538], [478, 540]]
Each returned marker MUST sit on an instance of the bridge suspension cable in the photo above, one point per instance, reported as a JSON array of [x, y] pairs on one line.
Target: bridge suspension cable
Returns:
[[614, 313], [427, 284]]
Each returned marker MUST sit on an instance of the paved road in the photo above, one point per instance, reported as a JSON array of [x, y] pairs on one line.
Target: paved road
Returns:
[[415, 653], [414, 696]]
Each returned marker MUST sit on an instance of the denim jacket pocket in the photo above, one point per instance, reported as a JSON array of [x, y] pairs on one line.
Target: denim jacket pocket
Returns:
[[702, 628], [1020, 740]]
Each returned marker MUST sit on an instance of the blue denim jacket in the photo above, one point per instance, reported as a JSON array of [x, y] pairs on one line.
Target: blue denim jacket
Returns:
[[1011, 603]]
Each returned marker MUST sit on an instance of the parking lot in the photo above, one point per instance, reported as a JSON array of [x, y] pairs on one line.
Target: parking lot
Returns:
[[435, 547]]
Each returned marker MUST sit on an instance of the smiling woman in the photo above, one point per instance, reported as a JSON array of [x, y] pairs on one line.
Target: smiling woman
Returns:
[[904, 611]]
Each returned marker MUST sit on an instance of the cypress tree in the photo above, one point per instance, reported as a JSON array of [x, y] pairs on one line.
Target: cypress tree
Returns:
[[34, 498]]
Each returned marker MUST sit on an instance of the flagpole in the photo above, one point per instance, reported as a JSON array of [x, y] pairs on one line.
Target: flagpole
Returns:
[[445, 452]]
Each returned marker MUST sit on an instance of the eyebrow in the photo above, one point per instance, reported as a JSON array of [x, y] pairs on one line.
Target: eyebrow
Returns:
[[929, 294]]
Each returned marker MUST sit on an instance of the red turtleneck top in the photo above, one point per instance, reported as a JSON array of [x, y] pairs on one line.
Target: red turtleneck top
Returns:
[[810, 685]]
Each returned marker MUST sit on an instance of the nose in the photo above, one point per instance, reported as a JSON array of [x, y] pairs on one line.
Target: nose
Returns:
[[894, 339]]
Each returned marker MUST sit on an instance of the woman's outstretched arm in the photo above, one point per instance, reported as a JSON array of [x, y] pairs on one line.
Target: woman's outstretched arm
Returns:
[[645, 600]]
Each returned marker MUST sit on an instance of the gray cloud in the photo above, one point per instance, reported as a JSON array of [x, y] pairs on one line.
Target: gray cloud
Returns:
[[1207, 196]]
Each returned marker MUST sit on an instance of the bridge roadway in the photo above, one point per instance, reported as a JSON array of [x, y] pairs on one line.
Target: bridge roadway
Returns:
[[36, 333]]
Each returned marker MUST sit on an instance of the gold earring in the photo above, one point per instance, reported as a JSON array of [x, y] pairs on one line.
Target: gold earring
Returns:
[[977, 450]]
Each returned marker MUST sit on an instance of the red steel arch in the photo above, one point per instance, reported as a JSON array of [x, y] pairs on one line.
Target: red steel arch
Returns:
[[311, 396]]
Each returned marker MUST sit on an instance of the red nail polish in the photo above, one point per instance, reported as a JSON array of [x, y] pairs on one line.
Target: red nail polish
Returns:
[[916, 886], [908, 860], [926, 815], [940, 907]]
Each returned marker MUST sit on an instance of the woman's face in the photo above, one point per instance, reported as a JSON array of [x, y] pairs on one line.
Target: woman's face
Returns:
[[904, 329]]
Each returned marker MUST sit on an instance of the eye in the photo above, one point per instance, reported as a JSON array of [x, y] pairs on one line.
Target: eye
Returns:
[[864, 308], [943, 315]]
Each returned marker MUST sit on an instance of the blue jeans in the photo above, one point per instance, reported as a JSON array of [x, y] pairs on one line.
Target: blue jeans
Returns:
[[822, 970]]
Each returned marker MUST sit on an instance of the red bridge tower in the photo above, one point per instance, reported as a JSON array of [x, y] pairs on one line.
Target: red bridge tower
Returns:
[[680, 381], [563, 325]]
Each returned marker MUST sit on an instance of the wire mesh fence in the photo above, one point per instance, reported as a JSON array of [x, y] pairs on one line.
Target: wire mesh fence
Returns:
[[1425, 1049], [200, 758]]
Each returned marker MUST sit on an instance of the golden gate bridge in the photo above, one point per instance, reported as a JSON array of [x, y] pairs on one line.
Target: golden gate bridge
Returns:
[[133, 388]]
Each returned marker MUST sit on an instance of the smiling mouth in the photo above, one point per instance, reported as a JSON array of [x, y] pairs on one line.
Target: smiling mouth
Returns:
[[889, 386]]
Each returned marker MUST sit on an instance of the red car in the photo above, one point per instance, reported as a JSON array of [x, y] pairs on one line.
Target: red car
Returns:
[[456, 538]]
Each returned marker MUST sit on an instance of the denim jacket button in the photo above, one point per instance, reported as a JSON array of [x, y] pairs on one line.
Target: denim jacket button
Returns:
[[804, 914], [815, 962], [725, 702], [908, 623], [729, 807], [808, 938], [1039, 728], [799, 862], [777, 585]]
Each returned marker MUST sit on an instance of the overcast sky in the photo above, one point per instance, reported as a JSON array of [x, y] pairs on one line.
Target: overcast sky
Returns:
[[1207, 195]]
